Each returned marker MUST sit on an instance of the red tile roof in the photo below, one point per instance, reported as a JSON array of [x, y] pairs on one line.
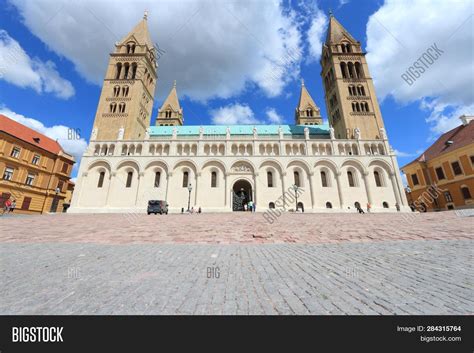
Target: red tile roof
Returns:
[[460, 136], [26, 134]]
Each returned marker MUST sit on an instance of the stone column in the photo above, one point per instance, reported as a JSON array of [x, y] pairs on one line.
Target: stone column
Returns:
[[365, 175], [255, 176], [168, 177], [198, 175], [393, 179], [226, 196], [283, 187], [339, 189], [312, 188], [111, 180]]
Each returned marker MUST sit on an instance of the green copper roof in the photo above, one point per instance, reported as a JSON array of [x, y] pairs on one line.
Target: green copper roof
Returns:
[[191, 130]]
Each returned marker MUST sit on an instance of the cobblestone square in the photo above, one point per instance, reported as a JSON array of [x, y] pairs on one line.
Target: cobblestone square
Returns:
[[237, 264]]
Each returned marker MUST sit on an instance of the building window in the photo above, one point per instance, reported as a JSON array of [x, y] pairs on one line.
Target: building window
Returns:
[[271, 205], [456, 168], [328, 205], [60, 185], [129, 179], [121, 107], [118, 71], [440, 173], [101, 179], [30, 179], [472, 160], [213, 179], [378, 180], [35, 160], [185, 179], [116, 91], [270, 179], [64, 169], [385, 204], [465, 193], [8, 174], [350, 178], [324, 180], [297, 179], [414, 178], [15, 152], [26, 203], [448, 197], [157, 179]]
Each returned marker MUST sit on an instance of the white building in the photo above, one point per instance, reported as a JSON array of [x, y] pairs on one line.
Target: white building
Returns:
[[218, 168]]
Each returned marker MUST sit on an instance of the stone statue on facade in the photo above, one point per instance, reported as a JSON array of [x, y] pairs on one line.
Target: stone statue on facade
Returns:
[[227, 133], [331, 133], [175, 132], [383, 134], [201, 132], [357, 133], [306, 133], [147, 133], [121, 133], [254, 132], [280, 132]]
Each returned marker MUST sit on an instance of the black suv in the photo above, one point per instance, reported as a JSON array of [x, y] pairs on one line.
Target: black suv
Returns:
[[157, 206]]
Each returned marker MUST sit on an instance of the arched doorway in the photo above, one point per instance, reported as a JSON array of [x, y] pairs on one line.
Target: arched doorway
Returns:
[[241, 194]]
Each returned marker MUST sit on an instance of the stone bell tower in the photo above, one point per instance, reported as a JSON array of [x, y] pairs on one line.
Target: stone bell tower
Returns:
[[170, 113], [126, 100], [349, 91], [307, 112]]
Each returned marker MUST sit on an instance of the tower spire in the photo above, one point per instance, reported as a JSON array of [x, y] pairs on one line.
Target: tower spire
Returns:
[[145, 15], [307, 112]]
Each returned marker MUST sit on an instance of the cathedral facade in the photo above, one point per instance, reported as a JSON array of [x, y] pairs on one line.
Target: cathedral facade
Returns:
[[331, 167]]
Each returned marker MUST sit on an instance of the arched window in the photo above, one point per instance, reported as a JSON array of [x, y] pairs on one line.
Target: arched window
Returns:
[[324, 180], [126, 67], [213, 180], [348, 48], [121, 107], [300, 206], [101, 179], [366, 106], [129, 179], [185, 179], [378, 179], [343, 69], [350, 178], [125, 90], [118, 70], [271, 205], [328, 205], [297, 178], [157, 179], [357, 106], [353, 107], [116, 91], [134, 70], [113, 107], [385, 204], [350, 67], [358, 70], [465, 192], [270, 179]]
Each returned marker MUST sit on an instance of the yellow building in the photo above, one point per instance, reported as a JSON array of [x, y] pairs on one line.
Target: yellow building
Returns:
[[35, 171], [442, 178]]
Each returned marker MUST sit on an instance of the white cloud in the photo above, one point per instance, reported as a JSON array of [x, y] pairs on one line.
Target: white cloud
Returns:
[[273, 116], [234, 114], [212, 48], [404, 154], [316, 35], [61, 133], [400, 32], [17, 68]]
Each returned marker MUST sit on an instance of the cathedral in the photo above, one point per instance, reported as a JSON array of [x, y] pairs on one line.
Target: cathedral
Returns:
[[335, 167]]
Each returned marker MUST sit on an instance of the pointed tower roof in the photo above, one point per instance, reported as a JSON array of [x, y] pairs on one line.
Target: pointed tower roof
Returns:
[[172, 100], [305, 99], [140, 33], [336, 31]]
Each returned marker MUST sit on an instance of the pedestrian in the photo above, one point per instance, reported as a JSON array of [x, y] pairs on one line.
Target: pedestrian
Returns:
[[254, 208], [360, 209], [368, 207], [13, 206], [397, 206], [245, 207], [250, 206], [6, 207], [199, 210]]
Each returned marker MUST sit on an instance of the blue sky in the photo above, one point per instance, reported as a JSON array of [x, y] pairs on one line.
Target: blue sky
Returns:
[[224, 56]]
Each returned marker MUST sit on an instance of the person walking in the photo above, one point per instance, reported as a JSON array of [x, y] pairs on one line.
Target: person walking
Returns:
[[397, 206], [254, 208], [13, 206], [6, 207], [245, 207], [250, 208], [360, 209], [368, 207]]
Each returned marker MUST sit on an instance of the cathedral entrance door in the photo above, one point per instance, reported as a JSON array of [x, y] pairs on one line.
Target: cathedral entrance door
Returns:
[[241, 194]]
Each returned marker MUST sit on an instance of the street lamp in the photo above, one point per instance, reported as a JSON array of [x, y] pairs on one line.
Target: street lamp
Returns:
[[295, 188], [190, 188]]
